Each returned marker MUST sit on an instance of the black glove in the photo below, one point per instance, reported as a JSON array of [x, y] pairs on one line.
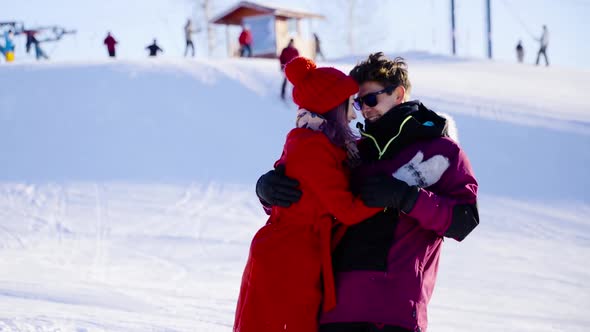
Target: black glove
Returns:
[[387, 191], [275, 188]]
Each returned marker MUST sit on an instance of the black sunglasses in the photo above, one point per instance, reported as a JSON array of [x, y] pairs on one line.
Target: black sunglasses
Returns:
[[370, 99]]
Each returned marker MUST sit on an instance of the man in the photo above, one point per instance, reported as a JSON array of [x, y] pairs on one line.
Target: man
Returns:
[[8, 49], [245, 40], [519, 52], [544, 41], [154, 49], [386, 266], [33, 41], [188, 31], [287, 54], [110, 42], [318, 47]]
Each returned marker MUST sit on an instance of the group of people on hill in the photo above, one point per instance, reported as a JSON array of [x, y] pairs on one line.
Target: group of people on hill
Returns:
[[356, 225], [246, 40]]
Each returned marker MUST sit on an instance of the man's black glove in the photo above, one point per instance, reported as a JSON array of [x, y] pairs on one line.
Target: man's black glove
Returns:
[[275, 188], [387, 191]]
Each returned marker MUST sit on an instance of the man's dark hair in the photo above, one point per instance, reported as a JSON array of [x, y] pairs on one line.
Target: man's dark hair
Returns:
[[380, 69]]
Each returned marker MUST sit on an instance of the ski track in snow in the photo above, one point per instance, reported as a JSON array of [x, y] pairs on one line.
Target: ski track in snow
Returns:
[[178, 272], [157, 251]]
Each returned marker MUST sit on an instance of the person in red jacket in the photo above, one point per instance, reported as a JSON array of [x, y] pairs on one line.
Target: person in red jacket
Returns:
[[288, 278], [245, 41], [110, 42], [287, 54]]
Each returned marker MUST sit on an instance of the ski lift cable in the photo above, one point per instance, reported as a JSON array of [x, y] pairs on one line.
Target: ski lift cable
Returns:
[[50, 53], [518, 19], [58, 36]]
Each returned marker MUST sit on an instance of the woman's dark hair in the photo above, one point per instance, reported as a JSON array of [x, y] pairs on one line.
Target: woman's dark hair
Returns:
[[337, 128]]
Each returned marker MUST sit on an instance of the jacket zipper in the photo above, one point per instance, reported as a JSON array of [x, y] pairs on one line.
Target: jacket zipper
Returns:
[[382, 152]]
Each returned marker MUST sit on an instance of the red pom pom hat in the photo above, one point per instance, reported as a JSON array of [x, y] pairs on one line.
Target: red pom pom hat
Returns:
[[318, 90]]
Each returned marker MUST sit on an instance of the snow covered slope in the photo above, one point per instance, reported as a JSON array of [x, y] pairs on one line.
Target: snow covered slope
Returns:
[[127, 192]]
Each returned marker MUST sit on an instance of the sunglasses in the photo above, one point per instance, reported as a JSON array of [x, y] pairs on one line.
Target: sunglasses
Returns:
[[370, 99]]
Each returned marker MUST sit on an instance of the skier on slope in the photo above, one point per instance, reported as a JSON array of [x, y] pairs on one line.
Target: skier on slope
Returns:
[[287, 54]]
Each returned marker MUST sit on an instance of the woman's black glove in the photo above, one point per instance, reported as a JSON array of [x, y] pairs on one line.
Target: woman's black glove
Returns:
[[387, 191], [275, 188]]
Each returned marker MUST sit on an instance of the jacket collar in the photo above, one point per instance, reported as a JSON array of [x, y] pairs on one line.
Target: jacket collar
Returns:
[[402, 125]]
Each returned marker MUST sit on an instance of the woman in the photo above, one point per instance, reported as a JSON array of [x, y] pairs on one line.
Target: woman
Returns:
[[288, 276]]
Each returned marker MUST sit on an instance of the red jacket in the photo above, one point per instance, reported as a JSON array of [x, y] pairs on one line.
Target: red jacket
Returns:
[[245, 37], [288, 276], [289, 53], [110, 42]]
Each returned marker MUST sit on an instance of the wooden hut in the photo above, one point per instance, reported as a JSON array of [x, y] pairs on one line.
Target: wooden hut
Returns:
[[271, 27]]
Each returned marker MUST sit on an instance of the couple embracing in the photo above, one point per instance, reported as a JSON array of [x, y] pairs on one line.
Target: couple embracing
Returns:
[[356, 224]]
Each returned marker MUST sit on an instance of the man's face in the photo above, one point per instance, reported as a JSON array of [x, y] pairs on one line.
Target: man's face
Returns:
[[385, 101]]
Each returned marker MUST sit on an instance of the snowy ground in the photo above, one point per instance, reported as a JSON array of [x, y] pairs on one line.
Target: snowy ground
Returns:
[[127, 203]]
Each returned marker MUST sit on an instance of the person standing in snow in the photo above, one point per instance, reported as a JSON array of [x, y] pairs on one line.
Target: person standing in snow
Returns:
[[8, 49], [245, 40], [288, 278], [519, 52], [287, 54], [153, 48], [188, 31], [32, 41], [386, 267], [318, 47], [544, 42], [110, 42]]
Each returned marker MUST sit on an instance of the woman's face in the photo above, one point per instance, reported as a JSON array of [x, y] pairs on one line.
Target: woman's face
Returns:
[[350, 112]]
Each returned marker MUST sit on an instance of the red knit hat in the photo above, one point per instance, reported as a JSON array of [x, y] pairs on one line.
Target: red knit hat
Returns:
[[318, 89]]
